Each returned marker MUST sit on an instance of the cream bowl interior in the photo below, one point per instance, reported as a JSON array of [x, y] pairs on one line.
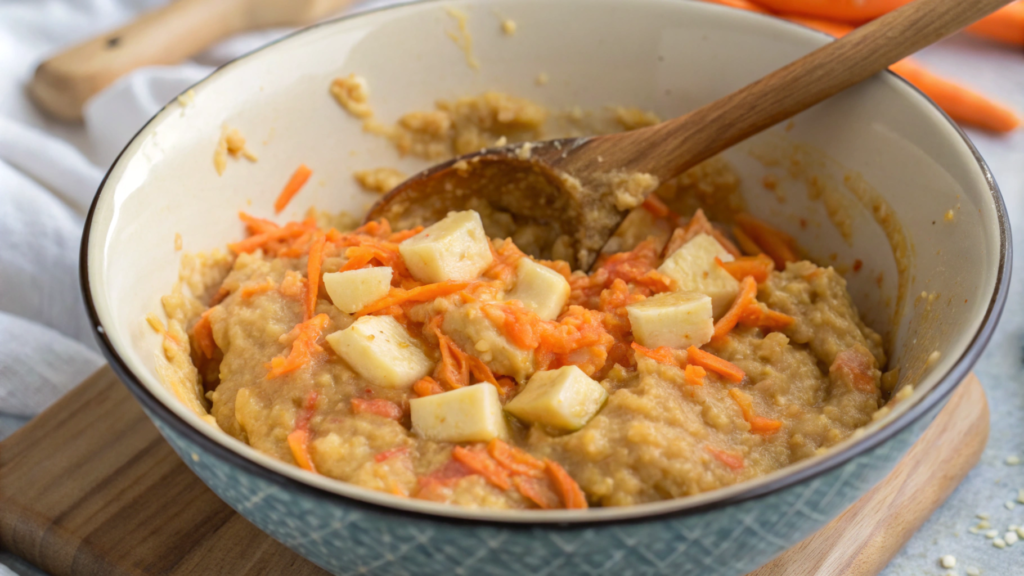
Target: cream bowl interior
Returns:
[[668, 56]]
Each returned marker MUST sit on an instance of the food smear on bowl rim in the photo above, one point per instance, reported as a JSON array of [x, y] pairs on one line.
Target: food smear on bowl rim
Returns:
[[454, 362]]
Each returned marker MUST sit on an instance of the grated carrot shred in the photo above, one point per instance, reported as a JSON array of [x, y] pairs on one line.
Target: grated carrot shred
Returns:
[[776, 244], [515, 460], [316, 257], [388, 454], [250, 290], [453, 370], [419, 294], [573, 497], [709, 361], [758, 424], [657, 207], [537, 491], [295, 183], [203, 332], [694, 375], [377, 406], [732, 461], [303, 348], [478, 461], [758, 267], [661, 354], [298, 439], [746, 298], [427, 386]]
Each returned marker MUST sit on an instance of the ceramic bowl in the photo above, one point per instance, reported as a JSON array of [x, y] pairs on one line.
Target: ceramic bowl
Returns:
[[880, 152]]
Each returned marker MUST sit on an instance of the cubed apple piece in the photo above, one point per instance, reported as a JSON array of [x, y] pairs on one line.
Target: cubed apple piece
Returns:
[[540, 289], [456, 248], [694, 269], [352, 290], [469, 414], [673, 319], [565, 398], [380, 350]]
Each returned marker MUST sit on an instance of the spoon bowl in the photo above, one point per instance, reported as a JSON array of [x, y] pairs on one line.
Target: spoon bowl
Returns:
[[579, 190]]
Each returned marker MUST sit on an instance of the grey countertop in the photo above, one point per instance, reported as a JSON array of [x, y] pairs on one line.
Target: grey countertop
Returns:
[[999, 72]]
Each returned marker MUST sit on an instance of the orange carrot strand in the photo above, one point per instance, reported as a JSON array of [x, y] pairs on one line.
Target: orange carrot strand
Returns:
[[712, 363], [295, 183]]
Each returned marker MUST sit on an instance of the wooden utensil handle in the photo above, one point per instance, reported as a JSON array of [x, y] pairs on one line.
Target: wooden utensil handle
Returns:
[[168, 35], [668, 149]]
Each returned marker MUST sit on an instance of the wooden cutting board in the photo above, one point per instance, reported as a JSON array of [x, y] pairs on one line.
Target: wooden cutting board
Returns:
[[90, 488]]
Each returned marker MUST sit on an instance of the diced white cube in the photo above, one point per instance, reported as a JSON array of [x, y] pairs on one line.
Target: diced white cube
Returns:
[[565, 398], [475, 334], [380, 350], [352, 290], [673, 319], [469, 414], [540, 289], [694, 269], [456, 248]]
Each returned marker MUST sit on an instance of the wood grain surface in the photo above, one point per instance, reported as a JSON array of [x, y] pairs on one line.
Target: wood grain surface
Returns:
[[90, 488]]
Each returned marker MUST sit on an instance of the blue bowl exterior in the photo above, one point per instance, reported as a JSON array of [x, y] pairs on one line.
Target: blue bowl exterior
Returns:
[[725, 541]]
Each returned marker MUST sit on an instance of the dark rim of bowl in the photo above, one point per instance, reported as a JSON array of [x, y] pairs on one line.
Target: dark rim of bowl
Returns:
[[829, 462]]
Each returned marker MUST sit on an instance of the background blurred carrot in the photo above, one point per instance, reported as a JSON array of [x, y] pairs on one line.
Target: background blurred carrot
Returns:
[[846, 11], [1005, 25], [964, 105], [741, 4]]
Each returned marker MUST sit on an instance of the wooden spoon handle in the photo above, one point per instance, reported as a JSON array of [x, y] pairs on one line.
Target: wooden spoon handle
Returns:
[[168, 35], [669, 148]]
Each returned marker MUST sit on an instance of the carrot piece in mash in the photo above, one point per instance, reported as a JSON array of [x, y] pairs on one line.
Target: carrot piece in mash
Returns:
[[758, 267], [484, 465], [656, 207], [537, 491], [303, 348], [661, 354], [203, 332], [298, 443], [298, 439], [758, 424], [743, 301], [418, 294], [709, 361], [250, 290], [453, 369], [427, 386], [316, 258], [775, 243], [377, 406], [573, 497], [295, 183], [399, 237], [694, 375], [515, 460], [732, 461], [388, 454]]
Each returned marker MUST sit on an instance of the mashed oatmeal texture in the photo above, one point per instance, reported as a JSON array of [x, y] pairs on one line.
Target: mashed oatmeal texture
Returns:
[[442, 364]]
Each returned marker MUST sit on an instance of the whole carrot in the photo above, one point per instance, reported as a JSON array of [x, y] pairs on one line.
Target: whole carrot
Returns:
[[1005, 25], [962, 104]]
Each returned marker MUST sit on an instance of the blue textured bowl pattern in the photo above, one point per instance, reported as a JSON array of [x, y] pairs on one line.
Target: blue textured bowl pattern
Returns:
[[725, 541]]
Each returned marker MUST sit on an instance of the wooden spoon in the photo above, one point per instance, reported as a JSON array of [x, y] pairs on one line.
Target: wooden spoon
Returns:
[[169, 35], [578, 190]]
